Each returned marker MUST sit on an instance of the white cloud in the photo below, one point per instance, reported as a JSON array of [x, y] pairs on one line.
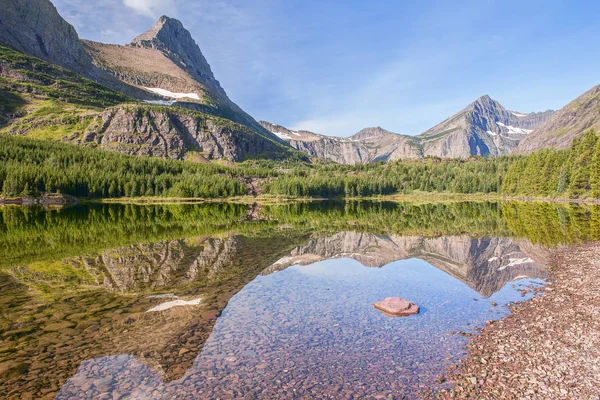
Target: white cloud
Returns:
[[150, 8]]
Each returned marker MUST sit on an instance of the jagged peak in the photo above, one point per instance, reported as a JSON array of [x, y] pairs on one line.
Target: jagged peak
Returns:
[[157, 31], [170, 36], [486, 101]]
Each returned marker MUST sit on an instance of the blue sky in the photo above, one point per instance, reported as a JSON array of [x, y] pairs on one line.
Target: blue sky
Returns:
[[335, 67]]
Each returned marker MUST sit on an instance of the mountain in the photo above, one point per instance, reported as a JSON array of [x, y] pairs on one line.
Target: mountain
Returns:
[[484, 128], [156, 96], [36, 28], [571, 121], [45, 101], [368, 145], [169, 66]]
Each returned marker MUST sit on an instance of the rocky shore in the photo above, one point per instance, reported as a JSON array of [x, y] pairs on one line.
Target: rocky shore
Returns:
[[549, 347], [46, 200]]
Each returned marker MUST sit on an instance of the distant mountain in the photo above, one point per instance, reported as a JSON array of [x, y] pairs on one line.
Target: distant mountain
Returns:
[[368, 145], [484, 128], [186, 110], [571, 121]]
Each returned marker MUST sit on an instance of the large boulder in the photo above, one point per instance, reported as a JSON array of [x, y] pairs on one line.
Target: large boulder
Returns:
[[395, 306]]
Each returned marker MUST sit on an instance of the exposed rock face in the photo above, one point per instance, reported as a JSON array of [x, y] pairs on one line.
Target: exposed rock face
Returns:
[[484, 264], [571, 121], [484, 128], [34, 27], [170, 132], [170, 37], [532, 120], [167, 60], [396, 307], [368, 145]]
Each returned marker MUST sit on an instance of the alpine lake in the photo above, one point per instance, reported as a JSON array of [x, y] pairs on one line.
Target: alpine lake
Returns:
[[224, 301]]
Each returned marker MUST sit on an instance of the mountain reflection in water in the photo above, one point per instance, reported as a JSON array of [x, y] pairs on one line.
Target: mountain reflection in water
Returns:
[[76, 323]]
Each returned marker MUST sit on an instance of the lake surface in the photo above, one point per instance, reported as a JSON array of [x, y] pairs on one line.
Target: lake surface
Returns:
[[236, 301]]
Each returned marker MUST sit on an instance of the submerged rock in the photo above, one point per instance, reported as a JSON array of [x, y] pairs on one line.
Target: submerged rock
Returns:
[[395, 306]]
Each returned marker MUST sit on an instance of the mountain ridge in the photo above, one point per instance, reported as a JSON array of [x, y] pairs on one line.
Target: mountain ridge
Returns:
[[570, 122], [483, 128], [35, 29]]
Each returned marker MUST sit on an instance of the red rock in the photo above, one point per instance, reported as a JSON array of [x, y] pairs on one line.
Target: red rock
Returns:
[[396, 306]]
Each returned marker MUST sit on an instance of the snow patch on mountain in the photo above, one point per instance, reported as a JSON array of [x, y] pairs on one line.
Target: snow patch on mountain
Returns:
[[515, 130], [281, 135], [284, 135], [173, 95]]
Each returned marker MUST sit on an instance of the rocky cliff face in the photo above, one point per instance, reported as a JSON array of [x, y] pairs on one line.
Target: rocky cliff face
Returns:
[[574, 119], [34, 27], [168, 66], [170, 37], [171, 132], [368, 145], [484, 128], [484, 264], [163, 66]]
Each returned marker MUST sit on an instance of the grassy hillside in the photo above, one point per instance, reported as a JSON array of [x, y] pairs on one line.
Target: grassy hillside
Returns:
[[44, 101]]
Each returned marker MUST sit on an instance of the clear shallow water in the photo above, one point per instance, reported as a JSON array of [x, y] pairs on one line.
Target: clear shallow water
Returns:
[[312, 331], [286, 301]]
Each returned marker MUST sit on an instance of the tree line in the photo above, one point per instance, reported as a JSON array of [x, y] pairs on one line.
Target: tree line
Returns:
[[572, 173], [31, 167]]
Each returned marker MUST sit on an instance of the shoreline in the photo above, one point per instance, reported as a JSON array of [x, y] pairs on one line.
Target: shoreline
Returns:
[[418, 197], [549, 346]]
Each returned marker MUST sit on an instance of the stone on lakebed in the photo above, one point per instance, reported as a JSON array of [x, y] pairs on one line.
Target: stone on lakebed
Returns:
[[395, 306]]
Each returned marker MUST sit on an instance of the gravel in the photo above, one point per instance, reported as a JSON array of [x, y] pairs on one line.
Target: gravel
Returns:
[[548, 348]]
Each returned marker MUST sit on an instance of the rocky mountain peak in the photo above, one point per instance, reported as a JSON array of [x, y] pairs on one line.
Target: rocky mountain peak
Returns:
[[170, 36], [486, 112], [484, 99], [164, 28], [487, 105]]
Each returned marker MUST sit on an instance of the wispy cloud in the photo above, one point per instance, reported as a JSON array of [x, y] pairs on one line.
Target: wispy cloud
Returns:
[[335, 66], [150, 8]]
